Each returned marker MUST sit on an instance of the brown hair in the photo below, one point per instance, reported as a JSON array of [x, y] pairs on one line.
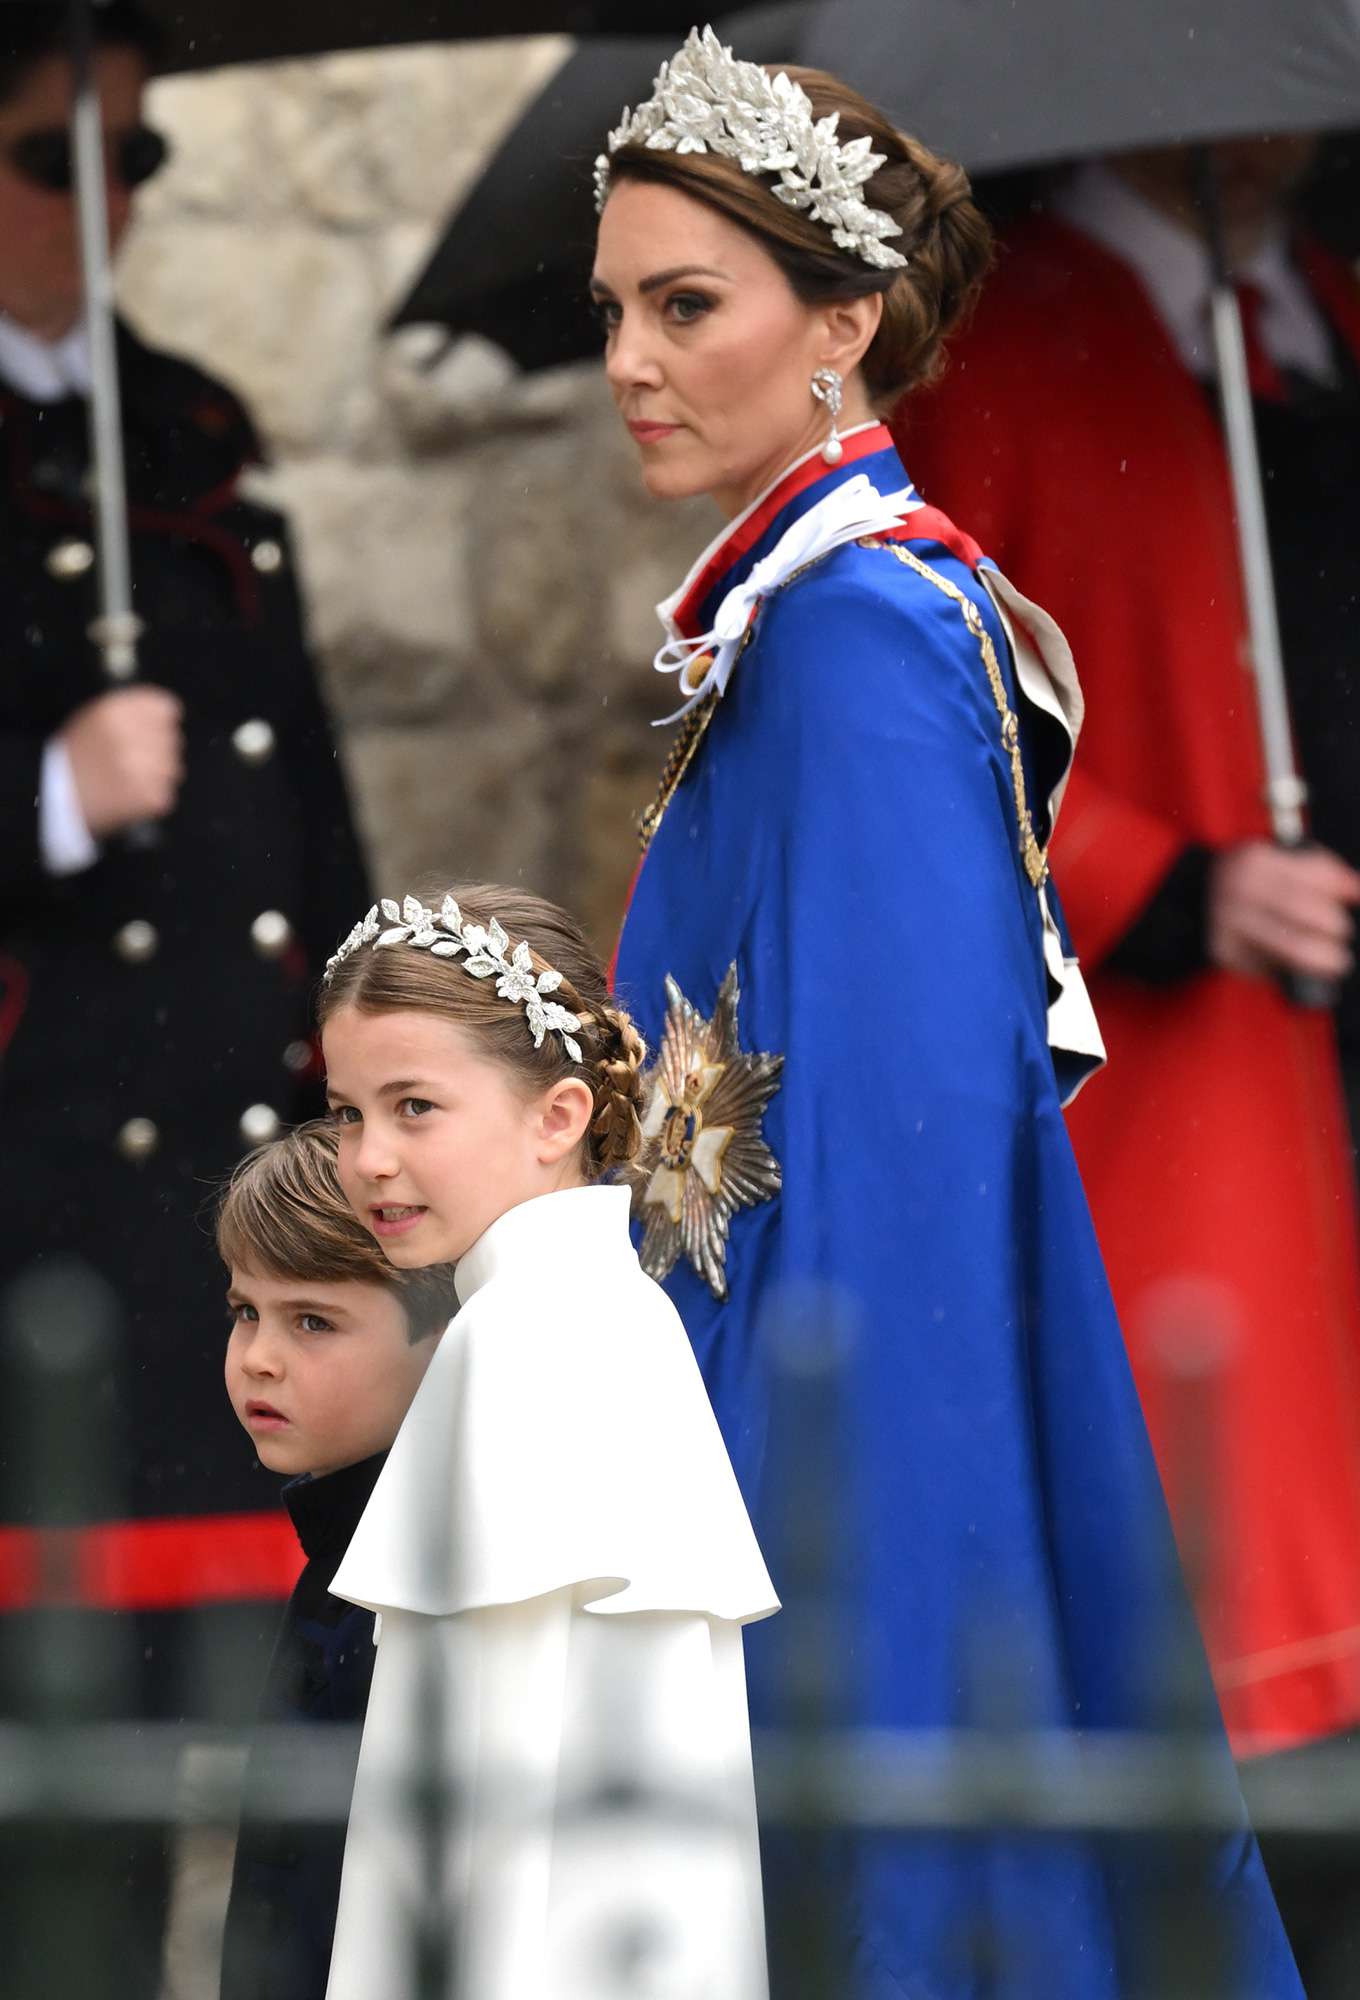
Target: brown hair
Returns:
[[283, 1214], [399, 977], [945, 238]]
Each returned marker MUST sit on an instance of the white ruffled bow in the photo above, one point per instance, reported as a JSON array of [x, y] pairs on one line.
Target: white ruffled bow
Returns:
[[850, 511]]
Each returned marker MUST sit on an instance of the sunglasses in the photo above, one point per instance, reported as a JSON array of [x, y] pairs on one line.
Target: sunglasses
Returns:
[[43, 159]]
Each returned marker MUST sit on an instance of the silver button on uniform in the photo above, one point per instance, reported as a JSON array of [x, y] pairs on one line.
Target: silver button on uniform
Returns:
[[253, 742], [137, 941], [69, 559], [270, 933], [259, 1124], [138, 1139], [267, 557]]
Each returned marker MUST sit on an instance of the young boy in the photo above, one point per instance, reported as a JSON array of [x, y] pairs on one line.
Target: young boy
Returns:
[[328, 1346]]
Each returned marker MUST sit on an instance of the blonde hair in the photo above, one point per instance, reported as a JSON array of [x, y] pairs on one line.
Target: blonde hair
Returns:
[[283, 1214], [400, 977], [945, 238]]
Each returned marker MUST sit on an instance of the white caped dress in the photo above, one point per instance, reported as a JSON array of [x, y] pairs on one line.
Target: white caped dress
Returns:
[[562, 1564]]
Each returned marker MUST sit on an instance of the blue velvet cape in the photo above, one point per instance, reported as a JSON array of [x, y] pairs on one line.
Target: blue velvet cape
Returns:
[[846, 837]]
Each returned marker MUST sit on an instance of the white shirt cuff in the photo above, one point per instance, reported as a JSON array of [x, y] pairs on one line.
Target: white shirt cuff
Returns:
[[65, 842]]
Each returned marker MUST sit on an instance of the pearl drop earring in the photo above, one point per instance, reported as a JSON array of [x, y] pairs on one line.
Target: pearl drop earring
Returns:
[[828, 388]]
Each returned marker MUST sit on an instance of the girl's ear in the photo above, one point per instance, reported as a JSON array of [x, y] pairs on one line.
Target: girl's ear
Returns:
[[564, 1116]]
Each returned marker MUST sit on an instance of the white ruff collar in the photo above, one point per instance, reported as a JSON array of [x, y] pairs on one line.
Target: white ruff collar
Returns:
[[849, 511]]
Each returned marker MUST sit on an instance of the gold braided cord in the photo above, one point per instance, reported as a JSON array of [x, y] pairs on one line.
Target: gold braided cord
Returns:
[[679, 757], [1032, 854]]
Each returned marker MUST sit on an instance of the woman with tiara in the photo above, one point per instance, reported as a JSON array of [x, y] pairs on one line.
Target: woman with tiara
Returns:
[[846, 949]]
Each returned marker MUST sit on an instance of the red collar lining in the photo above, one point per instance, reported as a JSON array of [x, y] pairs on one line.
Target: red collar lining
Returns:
[[748, 532]]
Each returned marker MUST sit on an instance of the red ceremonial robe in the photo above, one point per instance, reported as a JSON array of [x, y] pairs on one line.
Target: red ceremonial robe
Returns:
[[1087, 460]]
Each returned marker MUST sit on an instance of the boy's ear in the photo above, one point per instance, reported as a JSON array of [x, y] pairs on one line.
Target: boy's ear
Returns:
[[564, 1118]]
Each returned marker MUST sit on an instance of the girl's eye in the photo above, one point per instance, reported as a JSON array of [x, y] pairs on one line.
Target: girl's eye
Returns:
[[608, 313], [344, 1114], [688, 306], [415, 1107], [313, 1323]]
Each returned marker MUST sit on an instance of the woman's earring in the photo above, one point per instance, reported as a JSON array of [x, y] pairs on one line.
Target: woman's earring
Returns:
[[828, 388]]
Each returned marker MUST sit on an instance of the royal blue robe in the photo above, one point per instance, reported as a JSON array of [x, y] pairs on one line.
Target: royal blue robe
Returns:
[[846, 837]]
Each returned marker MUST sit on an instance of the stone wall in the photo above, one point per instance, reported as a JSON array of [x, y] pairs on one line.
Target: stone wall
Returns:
[[479, 560]]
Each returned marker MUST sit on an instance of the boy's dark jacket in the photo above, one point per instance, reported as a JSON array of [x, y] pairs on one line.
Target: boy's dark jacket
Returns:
[[286, 1881]]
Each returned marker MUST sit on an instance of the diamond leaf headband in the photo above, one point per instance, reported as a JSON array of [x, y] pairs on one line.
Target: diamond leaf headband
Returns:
[[483, 948], [706, 101]]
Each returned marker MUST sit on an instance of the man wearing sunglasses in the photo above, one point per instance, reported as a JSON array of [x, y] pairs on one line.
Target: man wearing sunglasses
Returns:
[[176, 861]]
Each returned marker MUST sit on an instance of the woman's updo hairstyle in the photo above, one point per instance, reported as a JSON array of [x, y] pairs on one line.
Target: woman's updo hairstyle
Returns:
[[945, 238], [404, 977]]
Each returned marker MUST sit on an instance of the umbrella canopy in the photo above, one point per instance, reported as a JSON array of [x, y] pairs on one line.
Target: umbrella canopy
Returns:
[[999, 85], [996, 84], [203, 34], [514, 262]]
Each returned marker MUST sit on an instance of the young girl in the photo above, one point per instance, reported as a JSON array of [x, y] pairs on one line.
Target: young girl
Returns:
[[557, 1546]]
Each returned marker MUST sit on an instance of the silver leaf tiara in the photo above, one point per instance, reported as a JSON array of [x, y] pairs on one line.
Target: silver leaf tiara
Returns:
[[707, 101], [483, 948]]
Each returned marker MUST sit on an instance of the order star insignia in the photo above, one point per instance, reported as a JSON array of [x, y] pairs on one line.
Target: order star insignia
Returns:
[[705, 1157]]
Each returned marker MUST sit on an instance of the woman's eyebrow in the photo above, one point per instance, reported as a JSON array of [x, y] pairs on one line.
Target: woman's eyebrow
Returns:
[[600, 290], [659, 278]]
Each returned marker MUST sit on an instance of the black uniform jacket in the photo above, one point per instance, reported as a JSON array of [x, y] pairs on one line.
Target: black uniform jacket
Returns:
[[143, 1009]]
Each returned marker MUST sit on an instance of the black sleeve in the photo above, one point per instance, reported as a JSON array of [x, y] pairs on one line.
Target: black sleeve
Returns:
[[1168, 940]]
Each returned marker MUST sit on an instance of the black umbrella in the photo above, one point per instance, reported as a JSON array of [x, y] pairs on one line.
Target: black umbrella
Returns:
[[514, 262], [204, 34], [1000, 84]]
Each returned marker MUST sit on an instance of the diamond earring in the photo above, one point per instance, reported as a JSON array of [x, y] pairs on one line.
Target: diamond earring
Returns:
[[828, 388]]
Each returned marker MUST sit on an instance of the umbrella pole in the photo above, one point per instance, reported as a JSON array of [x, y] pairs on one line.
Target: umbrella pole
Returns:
[[1285, 791], [116, 628]]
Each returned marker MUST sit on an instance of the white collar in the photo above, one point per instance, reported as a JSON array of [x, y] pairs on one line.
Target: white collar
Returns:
[[580, 1222], [1173, 266], [45, 371], [851, 509]]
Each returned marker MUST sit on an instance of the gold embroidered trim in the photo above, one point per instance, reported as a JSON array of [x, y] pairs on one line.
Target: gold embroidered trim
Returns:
[[1032, 854]]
